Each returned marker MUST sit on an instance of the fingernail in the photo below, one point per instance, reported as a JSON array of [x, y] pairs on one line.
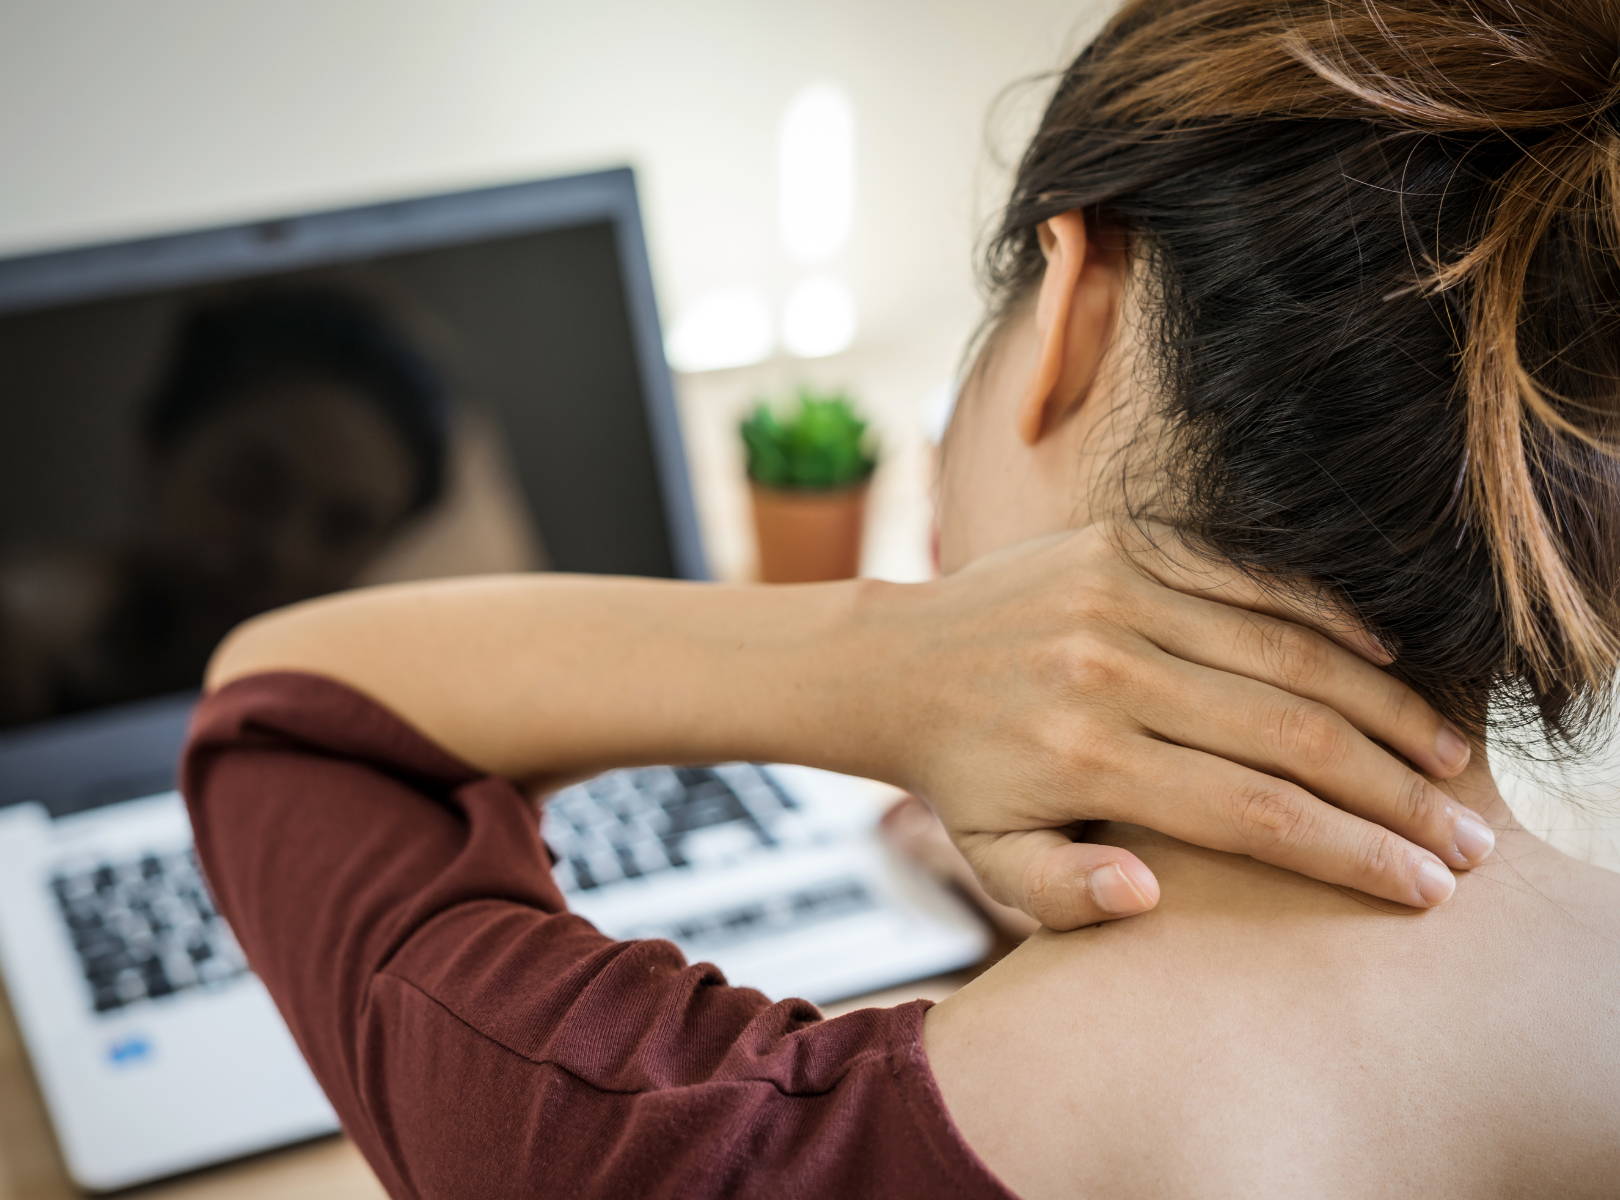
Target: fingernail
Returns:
[[1114, 892], [1451, 748], [1435, 882], [1474, 838]]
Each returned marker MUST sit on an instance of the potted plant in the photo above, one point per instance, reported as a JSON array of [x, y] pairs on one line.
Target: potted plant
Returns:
[[808, 472]]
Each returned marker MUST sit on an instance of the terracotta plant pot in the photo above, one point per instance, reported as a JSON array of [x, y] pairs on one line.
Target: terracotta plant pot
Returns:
[[808, 536]]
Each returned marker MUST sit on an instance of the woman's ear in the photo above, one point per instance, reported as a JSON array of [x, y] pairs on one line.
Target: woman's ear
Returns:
[[1074, 321]]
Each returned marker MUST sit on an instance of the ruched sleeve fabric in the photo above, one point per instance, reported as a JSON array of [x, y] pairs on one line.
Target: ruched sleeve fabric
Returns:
[[479, 1040]]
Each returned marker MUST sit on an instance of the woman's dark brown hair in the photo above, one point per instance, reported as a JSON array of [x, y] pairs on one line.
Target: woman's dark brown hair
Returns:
[[1383, 238]]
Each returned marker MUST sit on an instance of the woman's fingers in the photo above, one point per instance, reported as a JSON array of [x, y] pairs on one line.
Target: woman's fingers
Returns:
[[1227, 806], [1308, 743], [1060, 883], [1301, 661]]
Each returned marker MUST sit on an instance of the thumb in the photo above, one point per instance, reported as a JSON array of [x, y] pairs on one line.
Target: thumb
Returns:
[[1062, 884]]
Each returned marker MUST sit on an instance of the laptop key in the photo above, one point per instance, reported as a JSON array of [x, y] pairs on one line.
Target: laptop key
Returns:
[[629, 865]]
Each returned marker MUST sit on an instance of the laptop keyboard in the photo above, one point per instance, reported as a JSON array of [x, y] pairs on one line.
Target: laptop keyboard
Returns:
[[641, 822], [633, 823], [145, 927]]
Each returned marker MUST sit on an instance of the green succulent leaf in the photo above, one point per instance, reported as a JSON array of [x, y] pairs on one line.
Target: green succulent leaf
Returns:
[[820, 443]]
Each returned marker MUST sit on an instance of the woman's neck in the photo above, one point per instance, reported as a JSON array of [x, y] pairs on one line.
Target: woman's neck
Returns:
[[1192, 877]]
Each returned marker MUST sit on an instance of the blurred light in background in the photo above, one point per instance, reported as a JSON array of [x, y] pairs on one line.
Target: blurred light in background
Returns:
[[818, 317], [816, 173], [816, 210], [727, 328], [732, 327]]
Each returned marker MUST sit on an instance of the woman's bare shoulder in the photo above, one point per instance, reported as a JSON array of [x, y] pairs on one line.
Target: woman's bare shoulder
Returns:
[[1260, 1032]]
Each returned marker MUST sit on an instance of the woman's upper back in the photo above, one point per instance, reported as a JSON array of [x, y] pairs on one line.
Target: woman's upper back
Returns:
[[1262, 1034]]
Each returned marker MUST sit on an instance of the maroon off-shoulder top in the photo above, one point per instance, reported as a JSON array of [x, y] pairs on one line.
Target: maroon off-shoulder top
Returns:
[[478, 1039]]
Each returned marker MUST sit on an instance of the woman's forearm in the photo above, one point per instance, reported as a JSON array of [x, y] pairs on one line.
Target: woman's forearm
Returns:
[[1052, 683], [549, 677]]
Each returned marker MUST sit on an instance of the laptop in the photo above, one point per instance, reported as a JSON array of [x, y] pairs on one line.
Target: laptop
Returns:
[[459, 384]]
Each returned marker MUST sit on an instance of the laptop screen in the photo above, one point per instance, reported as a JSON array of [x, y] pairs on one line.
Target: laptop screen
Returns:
[[174, 460]]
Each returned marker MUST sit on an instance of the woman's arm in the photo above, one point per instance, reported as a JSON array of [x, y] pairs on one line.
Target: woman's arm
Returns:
[[479, 1040], [1042, 687], [541, 678]]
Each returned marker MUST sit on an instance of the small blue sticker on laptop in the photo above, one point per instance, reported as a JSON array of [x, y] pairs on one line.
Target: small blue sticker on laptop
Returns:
[[129, 1050]]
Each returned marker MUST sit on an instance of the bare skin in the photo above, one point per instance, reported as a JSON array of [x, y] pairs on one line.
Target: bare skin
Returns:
[[1260, 1034], [546, 678]]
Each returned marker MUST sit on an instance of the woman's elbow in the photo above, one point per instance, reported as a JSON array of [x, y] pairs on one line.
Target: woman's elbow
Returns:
[[266, 641]]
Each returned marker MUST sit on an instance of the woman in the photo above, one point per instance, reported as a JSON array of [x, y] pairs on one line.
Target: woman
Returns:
[[1303, 306]]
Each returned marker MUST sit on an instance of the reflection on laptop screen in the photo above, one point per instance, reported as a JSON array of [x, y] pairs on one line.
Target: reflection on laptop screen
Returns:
[[174, 461]]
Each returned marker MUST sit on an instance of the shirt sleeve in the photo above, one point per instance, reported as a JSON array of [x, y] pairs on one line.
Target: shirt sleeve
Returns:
[[479, 1040]]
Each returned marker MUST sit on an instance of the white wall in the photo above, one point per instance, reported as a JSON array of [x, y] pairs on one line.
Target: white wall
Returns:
[[126, 116]]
